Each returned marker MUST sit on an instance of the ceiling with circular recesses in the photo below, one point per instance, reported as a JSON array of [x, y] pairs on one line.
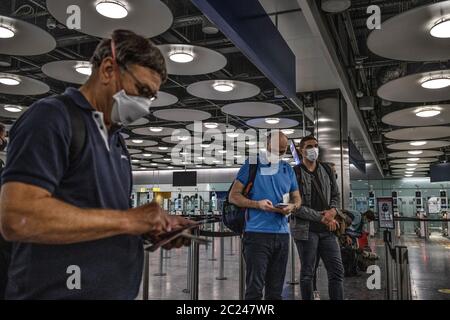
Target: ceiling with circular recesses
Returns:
[[184, 59], [154, 131], [423, 145], [100, 18], [11, 111], [414, 154], [429, 115], [223, 90], [416, 160], [420, 133], [272, 123], [20, 85], [68, 70], [164, 99], [424, 87], [24, 39], [409, 36], [210, 127], [139, 142], [183, 115], [252, 109]]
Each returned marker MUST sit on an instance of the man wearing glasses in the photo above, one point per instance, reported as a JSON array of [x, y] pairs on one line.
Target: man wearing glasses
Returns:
[[314, 223], [68, 214]]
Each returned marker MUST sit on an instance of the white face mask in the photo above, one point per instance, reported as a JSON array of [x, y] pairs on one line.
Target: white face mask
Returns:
[[127, 109], [312, 154]]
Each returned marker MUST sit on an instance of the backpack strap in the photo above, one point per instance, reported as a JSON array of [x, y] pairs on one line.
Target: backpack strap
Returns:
[[327, 168], [251, 178], [78, 139]]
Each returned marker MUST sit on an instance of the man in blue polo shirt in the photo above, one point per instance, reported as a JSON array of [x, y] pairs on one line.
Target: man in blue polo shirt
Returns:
[[266, 237], [73, 233]]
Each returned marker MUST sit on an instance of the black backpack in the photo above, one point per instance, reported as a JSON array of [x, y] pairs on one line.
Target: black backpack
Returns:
[[234, 217]]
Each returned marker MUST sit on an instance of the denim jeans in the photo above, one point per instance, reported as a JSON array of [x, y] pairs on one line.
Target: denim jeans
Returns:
[[266, 256], [321, 245]]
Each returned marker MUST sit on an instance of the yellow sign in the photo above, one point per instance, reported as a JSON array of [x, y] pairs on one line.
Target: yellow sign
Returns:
[[156, 189]]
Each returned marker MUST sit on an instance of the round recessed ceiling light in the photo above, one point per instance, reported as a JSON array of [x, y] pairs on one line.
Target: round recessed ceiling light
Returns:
[[223, 86], [169, 167], [250, 143], [428, 112], [415, 152], [167, 159], [438, 82], [112, 9], [233, 134], [6, 32], [134, 160], [9, 81], [156, 129], [137, 141], [288, 131], [211, 125], [272, 120], [222, 151], [201, 158], [441, 29], [418, 143], [154, 164], [413, 159], [408, 175], [11, 108], [204, 145], [163, 148], [181, 56], [84, 69], [147, 154], [411, 164], [183, 138]]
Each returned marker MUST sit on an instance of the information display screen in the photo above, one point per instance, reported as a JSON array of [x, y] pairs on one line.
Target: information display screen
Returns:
[[385, 213]]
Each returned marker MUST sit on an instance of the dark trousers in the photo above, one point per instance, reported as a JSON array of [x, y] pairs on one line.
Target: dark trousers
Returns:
[[5, 259], [266, 256], [322, 245]]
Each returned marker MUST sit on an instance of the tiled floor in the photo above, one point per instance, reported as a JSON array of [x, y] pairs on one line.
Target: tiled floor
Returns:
[[429, 264]]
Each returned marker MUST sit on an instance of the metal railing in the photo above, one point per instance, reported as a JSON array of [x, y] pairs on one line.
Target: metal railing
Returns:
[[398, 277]]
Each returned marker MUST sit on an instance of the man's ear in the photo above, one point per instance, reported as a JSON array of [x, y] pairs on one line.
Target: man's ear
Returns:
[[106, 71]]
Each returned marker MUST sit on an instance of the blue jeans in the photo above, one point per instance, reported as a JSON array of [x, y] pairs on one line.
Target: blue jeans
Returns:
[[266, 256], [321, 245]]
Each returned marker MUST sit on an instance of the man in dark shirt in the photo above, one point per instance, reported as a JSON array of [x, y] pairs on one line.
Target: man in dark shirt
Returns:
[[313, 224], [73, 233]]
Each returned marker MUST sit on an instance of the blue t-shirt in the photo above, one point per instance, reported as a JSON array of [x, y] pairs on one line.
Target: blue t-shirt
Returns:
[[38, 154], [271, 187]]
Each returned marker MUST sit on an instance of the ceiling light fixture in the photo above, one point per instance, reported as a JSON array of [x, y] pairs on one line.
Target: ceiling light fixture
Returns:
[[183, 138], [272, 120], [166, 159], [223, 86], [147, 155], [163, 148], [418, 143], [415, 152], [436, 82], [233, 134], [428, 112], [154, 164], [9, 81], [181, 54], [288, 131], [211, 125], [11, 108], [112, 9], [84, 68], [441, 29], [413, 159], [222, 151], [169, 167], [250, 143], [156, 129], [408, 175], [6, 32], [411, 164], [137, 141]]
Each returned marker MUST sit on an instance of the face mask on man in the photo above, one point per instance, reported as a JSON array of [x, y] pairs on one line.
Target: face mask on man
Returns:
[[312, 154], [127, 109]]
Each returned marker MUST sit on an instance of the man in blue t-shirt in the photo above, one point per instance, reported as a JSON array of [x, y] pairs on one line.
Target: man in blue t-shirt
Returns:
[[266, 237], [73, 233]]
